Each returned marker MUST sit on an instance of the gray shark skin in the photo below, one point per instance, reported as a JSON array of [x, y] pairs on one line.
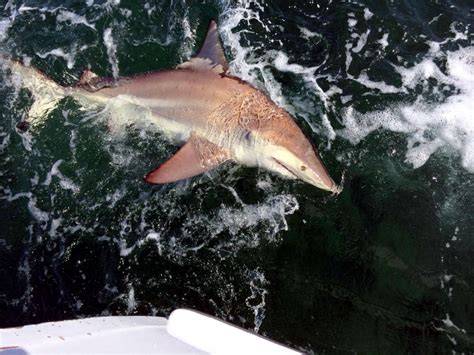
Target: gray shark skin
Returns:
[[220, 116]]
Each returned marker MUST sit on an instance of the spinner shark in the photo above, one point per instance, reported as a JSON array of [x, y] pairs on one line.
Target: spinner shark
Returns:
[[219, 116]]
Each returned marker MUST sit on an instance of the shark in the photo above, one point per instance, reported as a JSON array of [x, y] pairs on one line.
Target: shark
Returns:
[[217, 116]]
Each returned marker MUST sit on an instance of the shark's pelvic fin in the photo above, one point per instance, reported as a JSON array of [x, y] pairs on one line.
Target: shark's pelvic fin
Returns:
[[196, 157], [211, 55]]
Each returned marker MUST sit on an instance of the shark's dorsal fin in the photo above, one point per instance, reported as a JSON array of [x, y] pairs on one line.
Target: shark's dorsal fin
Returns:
[[212, 48], [211, 55], [194, 158]]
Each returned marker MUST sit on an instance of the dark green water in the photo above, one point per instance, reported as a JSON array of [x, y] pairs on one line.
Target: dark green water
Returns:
[[384, 89]]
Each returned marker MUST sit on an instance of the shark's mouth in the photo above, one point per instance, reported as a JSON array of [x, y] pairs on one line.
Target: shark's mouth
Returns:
[[283, 170]]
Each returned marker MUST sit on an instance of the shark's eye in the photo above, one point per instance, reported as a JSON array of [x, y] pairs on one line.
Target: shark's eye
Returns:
[[248, 135], [303, 168]]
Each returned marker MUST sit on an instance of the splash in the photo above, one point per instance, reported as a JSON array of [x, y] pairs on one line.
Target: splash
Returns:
[[226, 231]]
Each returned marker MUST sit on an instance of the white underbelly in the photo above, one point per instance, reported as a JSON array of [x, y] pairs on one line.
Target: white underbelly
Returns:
[[126, 111]]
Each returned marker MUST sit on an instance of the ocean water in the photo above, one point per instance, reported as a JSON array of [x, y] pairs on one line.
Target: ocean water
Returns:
[[384, 89]]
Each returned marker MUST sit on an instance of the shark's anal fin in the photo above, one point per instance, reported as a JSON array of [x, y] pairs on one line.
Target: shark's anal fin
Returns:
[[211, 55], [194, 158]]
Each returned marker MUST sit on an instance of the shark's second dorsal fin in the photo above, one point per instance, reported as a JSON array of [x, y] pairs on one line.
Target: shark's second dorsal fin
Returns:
[[211, 55], [87, 76], [91, 82]]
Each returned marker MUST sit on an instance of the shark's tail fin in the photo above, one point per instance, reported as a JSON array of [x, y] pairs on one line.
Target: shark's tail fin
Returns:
[[46, 93]]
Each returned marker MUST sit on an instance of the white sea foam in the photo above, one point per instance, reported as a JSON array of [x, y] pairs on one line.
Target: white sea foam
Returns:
[[257, 284], [429, 126], [110, 4], [151, 236], [117, 195], [239, 223], [352, 22], [126, 12], [111, 51], [362, 42], [188, 37], [449, 324], [381, 86], [59, 52], [27, 140], [41, 216], [64, 182], [367, 14], [11, 6], [308, 75], [131, 301], [9, 197], [384, 40], [23, 8], [73, 19], [4, 26], [273, 212], [55, 223], [307, 34]]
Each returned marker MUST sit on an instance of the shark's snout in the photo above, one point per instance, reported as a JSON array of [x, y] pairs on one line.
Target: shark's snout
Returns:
[[317, 174], [307, 167]]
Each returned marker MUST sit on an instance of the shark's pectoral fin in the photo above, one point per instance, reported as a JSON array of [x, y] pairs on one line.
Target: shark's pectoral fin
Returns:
[[196, 157], [211, 55]]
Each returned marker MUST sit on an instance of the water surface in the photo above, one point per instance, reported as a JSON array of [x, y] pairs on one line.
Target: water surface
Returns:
[[383, 89]]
